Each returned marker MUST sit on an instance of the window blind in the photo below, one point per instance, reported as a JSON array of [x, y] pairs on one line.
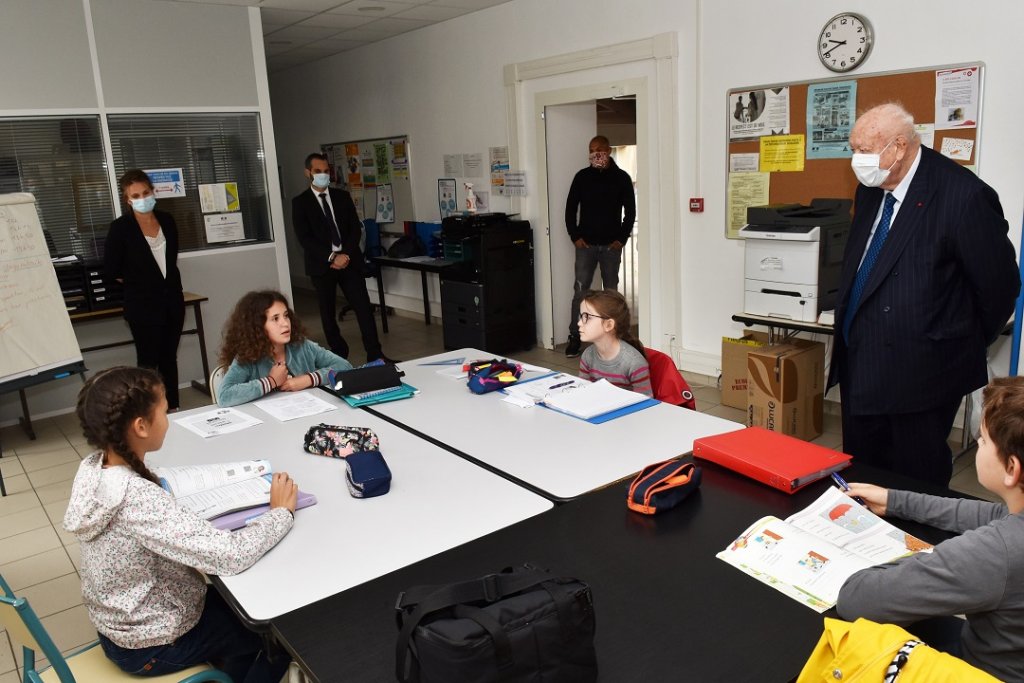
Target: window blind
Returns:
[[209, 148], [60, 161]]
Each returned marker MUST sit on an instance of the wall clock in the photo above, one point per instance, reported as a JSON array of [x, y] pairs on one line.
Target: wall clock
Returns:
[[845, 42]]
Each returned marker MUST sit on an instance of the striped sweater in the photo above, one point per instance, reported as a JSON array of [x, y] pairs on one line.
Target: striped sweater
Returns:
[[629, 369]]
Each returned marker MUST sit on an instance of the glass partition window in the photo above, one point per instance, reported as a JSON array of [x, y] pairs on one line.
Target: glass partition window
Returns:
[[213, 151], [60, 161]]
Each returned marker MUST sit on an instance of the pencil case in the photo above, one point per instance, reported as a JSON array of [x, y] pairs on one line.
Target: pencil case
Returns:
[[662, 486], [339, 442], [489, 375], [367, 474]]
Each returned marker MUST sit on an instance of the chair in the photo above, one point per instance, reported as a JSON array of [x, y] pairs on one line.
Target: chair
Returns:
[[667, 382], [216, 379], [83, 666]]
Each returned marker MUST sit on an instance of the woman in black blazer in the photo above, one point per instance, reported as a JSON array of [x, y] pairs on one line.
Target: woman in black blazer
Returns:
[[142, 252]]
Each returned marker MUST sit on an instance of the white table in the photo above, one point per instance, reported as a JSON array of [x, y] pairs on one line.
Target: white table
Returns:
[[437, 501], [557, 455]]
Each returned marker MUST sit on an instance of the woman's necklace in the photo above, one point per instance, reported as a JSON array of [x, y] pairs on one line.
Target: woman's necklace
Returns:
[[278, 355]]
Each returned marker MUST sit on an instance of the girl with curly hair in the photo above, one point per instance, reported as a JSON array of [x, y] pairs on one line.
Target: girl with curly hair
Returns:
[[142, 555], [266, 347]]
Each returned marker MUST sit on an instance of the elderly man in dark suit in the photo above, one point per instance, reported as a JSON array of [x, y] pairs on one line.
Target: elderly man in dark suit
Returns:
[[328, 229], [929, 280]]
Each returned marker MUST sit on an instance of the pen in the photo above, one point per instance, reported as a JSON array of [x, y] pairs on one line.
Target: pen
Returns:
[[561, 384], [841, 483]]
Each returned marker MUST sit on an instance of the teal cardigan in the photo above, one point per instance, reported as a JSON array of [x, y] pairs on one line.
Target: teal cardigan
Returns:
[[246, 382]]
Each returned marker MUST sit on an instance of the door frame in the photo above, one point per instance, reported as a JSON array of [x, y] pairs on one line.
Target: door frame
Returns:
[[660, 280]]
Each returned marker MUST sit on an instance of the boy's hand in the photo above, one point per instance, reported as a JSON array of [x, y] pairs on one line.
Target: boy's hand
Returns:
[[284, 493], [876, 497]]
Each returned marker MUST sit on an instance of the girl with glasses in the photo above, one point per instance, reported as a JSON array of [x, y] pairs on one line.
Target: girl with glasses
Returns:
[[614, 353]]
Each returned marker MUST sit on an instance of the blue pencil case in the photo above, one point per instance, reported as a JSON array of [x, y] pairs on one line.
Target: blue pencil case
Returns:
[[367, 474]]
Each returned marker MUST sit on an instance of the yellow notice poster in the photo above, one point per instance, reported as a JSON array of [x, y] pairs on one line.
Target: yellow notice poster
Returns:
[[745, 189], [782, 153]]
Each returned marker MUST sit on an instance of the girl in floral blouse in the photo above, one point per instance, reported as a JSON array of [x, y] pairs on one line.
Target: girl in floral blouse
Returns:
[[142, 555]]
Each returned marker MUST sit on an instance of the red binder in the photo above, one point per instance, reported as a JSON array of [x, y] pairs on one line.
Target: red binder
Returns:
[[781, 461]]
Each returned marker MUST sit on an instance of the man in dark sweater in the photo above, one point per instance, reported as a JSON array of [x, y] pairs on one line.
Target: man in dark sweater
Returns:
[[599, 215]]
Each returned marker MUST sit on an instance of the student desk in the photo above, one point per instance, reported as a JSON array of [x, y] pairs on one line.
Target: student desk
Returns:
[[667, 609], [437, 501], [424, 264], [554, 454]]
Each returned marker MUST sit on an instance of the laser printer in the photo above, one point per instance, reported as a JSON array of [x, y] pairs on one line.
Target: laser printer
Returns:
[[794, 258]]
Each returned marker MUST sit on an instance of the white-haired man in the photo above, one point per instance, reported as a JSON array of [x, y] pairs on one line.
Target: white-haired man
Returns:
[[929, 280]]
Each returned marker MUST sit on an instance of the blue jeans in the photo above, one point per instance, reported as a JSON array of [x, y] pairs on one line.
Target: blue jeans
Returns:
[[587, 260], [218, 638]]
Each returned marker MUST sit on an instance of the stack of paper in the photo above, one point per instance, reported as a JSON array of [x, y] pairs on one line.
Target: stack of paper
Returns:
[[590, 400]]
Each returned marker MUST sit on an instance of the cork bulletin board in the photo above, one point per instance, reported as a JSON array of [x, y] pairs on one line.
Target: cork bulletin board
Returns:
[[824, 178]]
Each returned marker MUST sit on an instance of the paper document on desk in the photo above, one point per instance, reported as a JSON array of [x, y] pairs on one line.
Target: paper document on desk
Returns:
[[810, 555], [291, 405], [216, 422], [586, 400], [533, 392]]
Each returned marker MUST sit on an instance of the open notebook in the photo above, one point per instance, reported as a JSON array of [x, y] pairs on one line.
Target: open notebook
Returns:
[[588, 400]]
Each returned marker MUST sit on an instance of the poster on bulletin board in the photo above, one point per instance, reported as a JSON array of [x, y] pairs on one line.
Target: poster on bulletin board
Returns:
[[376, 172], [789, 143]]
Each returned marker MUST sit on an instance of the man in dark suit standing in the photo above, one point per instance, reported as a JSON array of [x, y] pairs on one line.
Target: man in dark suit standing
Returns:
[[328, 229], [929, 280]]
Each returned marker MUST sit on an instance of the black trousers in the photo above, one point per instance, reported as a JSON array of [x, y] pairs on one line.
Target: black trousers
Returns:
[[353, 286], [156, 346], [914, 444]]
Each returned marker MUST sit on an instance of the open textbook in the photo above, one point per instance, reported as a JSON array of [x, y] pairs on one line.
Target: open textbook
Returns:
[[213, 491], [811, 554]]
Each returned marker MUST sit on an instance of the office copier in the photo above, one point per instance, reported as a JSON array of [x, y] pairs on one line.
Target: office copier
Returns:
[[794, 258], [487, 295]]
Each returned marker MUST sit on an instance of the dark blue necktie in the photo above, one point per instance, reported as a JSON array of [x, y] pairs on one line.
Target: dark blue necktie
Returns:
[[335, 233], [881, 232]]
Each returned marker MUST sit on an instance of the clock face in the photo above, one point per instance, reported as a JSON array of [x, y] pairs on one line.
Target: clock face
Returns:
[[845, 42]]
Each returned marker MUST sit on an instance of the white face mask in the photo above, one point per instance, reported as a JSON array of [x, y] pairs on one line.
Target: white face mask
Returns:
[[865, 167], [321, 179]]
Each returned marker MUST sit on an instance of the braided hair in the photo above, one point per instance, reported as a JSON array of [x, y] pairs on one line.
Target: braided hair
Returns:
[[612, 305], [110, 401]]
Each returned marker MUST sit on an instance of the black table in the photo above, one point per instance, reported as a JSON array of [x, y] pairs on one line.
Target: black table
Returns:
[[667, 609], [423, 266], [781, 329]]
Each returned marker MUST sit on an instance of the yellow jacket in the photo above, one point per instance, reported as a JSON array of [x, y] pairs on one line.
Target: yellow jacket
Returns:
[[863, 650]]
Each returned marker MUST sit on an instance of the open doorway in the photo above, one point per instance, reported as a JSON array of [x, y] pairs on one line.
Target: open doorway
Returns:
[[568, 129]]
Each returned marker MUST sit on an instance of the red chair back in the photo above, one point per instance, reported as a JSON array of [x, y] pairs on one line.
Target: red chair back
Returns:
[[668, 383]]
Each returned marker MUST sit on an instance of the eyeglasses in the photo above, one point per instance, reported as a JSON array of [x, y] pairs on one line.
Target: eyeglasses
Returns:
[[585, 317]]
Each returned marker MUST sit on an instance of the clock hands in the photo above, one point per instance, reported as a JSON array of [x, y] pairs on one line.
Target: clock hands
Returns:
[[828, 54]]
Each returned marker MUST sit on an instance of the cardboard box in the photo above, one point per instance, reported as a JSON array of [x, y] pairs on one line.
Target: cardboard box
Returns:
[[734, 366], [786, 391]]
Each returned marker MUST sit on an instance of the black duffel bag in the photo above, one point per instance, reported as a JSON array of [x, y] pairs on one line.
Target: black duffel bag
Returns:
[[522, 624]]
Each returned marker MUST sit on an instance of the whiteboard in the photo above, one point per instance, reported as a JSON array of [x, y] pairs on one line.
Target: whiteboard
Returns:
[[35, 330]]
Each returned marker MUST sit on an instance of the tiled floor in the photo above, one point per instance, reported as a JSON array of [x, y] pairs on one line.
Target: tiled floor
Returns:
[[40, 560]]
